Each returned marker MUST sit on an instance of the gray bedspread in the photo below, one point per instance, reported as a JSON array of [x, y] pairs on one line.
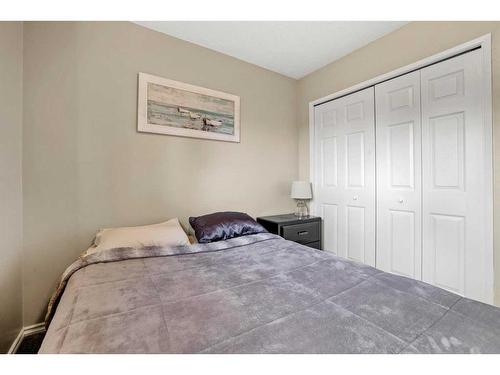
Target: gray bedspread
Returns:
[[256, 294]]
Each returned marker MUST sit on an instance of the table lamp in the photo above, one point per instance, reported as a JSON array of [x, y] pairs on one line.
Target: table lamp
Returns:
[[301, 191]]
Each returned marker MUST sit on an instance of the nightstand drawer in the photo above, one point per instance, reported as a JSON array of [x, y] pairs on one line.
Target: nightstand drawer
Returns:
[[302, 233], [315, 245]]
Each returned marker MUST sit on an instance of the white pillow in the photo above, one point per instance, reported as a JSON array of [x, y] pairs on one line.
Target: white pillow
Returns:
[[169, 233]]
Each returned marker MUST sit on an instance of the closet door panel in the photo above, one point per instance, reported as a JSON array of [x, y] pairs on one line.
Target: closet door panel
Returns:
[[329, 157], [447, 236], [356, 233], [345, 175], [359, 193], [398, 129], [402, 242], [329, 213], [355, 169], [454, 185], [329, 179]]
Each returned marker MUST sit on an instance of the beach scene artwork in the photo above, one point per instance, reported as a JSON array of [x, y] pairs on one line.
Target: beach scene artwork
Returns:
[[176, 108]]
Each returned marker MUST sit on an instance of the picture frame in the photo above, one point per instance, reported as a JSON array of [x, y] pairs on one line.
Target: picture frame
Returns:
[[175, 108]]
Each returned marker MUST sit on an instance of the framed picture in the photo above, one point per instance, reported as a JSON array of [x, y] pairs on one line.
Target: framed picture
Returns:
[[175, 108]]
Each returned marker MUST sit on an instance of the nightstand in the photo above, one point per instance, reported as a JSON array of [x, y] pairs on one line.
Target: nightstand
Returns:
[[306, 231]]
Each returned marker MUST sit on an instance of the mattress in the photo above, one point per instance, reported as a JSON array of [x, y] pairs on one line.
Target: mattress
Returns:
[[256, 294]]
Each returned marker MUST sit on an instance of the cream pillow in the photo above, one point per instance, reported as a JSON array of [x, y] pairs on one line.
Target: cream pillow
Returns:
[[169, 233]]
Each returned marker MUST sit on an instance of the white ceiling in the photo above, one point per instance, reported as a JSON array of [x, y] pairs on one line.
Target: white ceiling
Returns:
[[292, 48]]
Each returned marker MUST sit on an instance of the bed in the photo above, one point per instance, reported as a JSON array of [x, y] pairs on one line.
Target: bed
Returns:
[[256, 294]]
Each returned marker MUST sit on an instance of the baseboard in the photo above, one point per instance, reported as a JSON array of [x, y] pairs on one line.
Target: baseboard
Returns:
[[35, 328], [24, 332], [15, 345]]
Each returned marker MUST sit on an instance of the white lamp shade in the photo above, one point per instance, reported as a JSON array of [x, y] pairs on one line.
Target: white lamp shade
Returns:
[[301, 190]]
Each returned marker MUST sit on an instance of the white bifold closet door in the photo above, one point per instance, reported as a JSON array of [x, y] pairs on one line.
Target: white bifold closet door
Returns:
[[433, 176], [454, 185], [399, 183], [345, 175]]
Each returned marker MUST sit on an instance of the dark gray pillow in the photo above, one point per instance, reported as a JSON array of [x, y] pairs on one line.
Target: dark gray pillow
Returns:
[[224, 225]]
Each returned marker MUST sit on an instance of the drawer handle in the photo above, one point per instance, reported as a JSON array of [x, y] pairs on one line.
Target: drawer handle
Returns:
[[303, 233]]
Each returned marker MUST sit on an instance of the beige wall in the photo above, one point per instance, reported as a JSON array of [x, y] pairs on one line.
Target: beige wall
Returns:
[[11, 84], [411, 43], [86, 166]]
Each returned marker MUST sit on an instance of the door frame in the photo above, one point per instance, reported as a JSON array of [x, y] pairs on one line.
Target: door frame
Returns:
[[483, 42]]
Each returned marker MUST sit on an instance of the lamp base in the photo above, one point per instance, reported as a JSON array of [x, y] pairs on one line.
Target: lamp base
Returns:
[[301, 211]]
